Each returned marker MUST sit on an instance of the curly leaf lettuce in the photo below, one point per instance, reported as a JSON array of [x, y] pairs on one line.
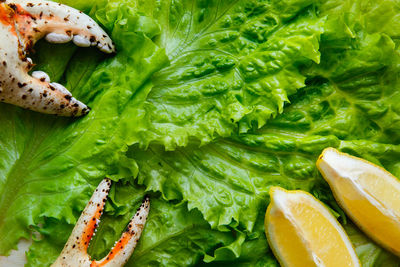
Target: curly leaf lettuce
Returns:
[[233, 66], [346, 18], [316, 73]]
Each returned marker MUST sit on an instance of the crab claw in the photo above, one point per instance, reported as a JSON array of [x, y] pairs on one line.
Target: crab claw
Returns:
[[22, 24], [75, 253]]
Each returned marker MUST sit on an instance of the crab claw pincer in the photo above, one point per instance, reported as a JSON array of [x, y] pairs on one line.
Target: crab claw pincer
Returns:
[[75, 253], [22, 24]]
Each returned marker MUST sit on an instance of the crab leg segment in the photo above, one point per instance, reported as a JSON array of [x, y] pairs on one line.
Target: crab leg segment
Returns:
[[75, 253], [22, 24]]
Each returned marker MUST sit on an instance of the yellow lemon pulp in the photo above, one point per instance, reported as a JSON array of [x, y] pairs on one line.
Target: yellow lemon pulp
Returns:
[[369, 195], [302, 232]]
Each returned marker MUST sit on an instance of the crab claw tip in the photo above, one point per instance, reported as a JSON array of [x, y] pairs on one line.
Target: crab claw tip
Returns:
[[75, 251]]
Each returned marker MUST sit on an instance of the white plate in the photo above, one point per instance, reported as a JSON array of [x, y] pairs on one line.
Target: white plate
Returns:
[[17, 258]]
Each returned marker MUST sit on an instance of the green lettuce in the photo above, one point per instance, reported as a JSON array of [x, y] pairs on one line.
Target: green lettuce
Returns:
[[232, 66], [205, 106]]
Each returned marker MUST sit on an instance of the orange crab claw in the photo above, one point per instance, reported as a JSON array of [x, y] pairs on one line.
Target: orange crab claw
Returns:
[[22, 24], [75, 253]]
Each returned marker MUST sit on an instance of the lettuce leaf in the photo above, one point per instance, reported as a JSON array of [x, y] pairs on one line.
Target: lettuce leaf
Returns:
[[232, 66], [346, 18], [254, 252]]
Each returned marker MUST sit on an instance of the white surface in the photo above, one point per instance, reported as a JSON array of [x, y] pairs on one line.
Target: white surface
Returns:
[[17, 258]]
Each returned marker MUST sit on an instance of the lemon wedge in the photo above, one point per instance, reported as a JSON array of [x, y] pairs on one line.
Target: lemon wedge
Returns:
[[368, 194], [302, 232]]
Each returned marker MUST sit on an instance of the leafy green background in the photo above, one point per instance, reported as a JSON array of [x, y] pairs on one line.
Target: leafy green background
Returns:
[[205, 106]]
